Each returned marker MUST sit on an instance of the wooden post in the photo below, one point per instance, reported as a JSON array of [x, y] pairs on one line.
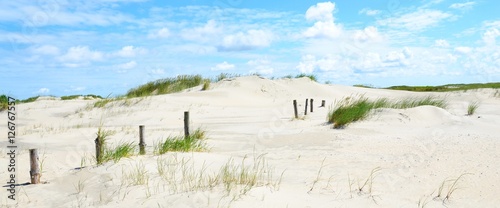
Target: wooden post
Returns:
[[142, 144], [311, 105], [295, 108], [305, 112], [98, 150], [323, 103], [34, 167], [186, 124]]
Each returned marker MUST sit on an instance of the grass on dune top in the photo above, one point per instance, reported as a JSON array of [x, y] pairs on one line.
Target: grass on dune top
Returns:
[[167, 85], [447, 88], [352, 109]]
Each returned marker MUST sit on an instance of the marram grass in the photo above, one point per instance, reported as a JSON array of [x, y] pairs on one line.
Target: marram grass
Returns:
[[352, 109]]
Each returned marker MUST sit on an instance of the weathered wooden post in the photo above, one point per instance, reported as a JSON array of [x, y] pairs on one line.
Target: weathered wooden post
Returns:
[[305, 112], [295, 108], [98, 150], [34, 167], [186, 124], [142, 144], [311, 105], [323, 103]]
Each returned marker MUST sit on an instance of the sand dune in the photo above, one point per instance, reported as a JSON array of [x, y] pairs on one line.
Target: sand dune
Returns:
[[249, 121]]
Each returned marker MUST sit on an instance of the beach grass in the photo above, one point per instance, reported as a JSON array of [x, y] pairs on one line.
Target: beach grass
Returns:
[[166, 86], [472, 107], [352, 109], [193, 142]]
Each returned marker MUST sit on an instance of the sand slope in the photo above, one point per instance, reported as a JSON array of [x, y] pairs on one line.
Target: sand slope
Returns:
[[249, 119]]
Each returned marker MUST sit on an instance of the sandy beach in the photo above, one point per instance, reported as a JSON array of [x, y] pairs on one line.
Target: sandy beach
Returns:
[[395, 158]]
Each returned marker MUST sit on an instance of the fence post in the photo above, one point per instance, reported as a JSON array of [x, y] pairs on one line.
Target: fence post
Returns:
[[98, 149], [34, 167], [323, 103], [305, 112], [295, 108], [142, 144], [186, 124], [311, 105]]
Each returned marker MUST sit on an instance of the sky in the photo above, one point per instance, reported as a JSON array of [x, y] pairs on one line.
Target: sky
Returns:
[[106, 47]]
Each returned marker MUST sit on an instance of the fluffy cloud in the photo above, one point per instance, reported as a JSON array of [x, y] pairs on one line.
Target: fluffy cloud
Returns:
[[416, 21], [43, 91], [490, 36], [370, 33], [441, 43], [130, 51], [206, 34], [128, 65], [223, 67], [162, 33], [80, 55], [261, 66], [246, 41], [463, 50], [325, 26]]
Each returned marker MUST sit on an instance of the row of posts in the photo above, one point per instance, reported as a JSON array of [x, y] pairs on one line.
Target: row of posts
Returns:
[[306, 107], [34, 160]]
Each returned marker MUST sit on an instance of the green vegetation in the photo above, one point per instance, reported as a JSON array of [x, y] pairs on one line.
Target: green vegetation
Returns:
[[363, 86], [471, 109], [181, 144], [351, 109], [120, 151], [4, 102], [86, 97], [206, 85], [222, 76], [311, 76], [166, 86], [446, 88], [29, 100]]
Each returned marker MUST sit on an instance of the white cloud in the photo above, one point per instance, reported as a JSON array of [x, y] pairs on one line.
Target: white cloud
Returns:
[[130, 51], [463, 49], [490, 36], [307, 64], [369, 12], [466, 5], [80, 55], [128, 65], [162, 33], [261, 66], [223, 67], [441, 43], [43, 91], [207, 33], [246, 41], [47, 50], [325, 26], [370, 33], [321, 12], [417, 20]]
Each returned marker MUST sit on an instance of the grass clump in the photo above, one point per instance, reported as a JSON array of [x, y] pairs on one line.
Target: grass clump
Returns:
[[193, 142], [29, 100], [4, 102], [310, 76], [107, 154], [166, 86], [352, 109], [206, 85], [471, 109], [85, 97]]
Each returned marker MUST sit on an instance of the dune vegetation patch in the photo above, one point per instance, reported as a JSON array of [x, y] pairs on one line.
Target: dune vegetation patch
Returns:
[[352, 109], [193, 142], [166, 86]]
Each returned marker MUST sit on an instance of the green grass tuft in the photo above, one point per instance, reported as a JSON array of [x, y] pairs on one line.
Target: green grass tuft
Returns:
[[206, 85], [166, 86], [310, 76], [446, 88], [471, 109], [120, 151], [351, 109], [180, 144], [4, 102]]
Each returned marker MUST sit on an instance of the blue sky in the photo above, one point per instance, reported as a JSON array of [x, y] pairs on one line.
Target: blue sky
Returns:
[[62, 47]]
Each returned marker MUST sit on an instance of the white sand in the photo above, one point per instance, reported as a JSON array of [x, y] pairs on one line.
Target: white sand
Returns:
[[417, 149]]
